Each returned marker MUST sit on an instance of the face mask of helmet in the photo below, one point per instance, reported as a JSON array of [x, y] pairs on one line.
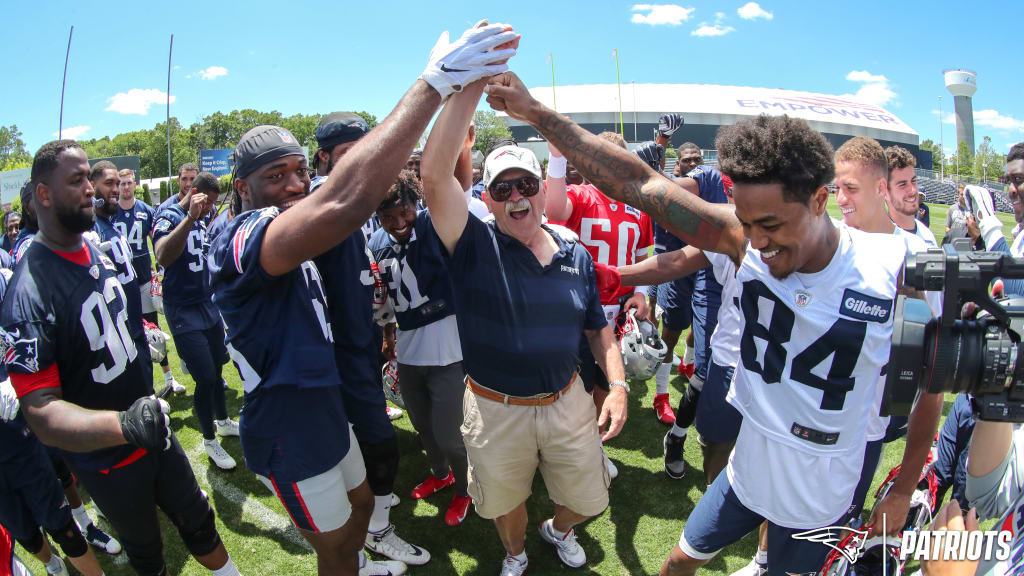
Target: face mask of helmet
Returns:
[[642, 349]]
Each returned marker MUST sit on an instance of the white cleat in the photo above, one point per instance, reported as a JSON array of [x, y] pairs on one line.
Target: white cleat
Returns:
[[220, 458], [612, 470], [753, 569], [226, 427], [379, 568], [176, 386], [512, 567], [387, 543], [394, 413], [395, 500]]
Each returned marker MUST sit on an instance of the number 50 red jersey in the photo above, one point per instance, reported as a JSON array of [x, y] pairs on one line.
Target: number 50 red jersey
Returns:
[[614, 233]]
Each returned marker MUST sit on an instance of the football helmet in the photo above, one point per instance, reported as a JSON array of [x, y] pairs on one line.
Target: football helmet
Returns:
[[389, 377], [642, 348], [922, 502], [157, 339], [156, 290], [854, 556]]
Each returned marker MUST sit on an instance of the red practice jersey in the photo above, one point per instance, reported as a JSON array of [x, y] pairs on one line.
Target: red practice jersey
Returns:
[[614, 233]]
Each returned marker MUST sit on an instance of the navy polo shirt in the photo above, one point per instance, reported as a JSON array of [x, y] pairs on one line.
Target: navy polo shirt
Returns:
[[520, 323]]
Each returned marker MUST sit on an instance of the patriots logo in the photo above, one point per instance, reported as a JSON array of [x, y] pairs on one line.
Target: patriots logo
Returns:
[[852, 546], [18, 351]]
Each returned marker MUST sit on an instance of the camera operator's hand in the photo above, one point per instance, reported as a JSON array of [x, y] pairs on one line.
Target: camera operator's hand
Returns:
[[972, 228], [982, 209], [949, 518]]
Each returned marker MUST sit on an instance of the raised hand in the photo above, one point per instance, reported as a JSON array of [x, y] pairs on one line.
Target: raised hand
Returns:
[[507, 93], [481, 51]]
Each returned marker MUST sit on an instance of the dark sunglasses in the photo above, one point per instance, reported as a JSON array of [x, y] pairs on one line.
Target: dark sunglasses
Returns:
[[502, 189]]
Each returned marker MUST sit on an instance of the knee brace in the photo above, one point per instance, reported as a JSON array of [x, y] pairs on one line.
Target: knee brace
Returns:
[[203, 538], [70, 540], [34, 544], [687, 411], [381, 459]]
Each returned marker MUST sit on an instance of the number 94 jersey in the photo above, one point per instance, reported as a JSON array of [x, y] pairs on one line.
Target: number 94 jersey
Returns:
[[812, 346]]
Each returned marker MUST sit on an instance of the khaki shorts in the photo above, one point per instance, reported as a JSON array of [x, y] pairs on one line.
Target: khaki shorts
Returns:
[[506, 444]]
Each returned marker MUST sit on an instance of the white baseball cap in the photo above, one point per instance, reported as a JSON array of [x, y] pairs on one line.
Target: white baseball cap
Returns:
[[507, 158]]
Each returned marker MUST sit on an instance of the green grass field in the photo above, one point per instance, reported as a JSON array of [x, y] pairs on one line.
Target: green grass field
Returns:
[[632, 537]]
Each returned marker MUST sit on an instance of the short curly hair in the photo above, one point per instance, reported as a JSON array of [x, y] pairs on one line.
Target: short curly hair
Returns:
[[865, 151], [407, 189], [776, 150], [1016, 153], [614, 138], [899, 158]]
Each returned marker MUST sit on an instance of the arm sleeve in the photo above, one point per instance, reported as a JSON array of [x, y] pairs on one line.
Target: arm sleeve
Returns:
[[235, 255], [993, 493], [165, 223]]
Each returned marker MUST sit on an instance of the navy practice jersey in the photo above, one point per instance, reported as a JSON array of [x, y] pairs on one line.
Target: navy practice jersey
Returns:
[[279, 336], [186, 283], [22, 242], [217, 225], [74, 315], [417, 276], [136, 225], [121, 254], [348, 284], [6, 261]]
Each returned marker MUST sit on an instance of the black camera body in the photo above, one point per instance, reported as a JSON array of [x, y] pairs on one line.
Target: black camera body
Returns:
[[982, 356]]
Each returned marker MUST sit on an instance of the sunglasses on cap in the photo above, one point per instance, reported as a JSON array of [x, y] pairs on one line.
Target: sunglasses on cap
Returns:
[[501, 190]]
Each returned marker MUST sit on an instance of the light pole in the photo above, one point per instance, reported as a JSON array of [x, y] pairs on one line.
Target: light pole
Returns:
[[942, 146], [634, 109]]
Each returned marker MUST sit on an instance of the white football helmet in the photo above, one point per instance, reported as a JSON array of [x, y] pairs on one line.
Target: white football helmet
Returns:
[[157, 339], [922, 502], [389, 377], [642, 348]]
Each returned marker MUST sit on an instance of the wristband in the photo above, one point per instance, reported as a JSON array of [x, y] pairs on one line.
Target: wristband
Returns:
[[640, 290], [621, 383], [556, 166]]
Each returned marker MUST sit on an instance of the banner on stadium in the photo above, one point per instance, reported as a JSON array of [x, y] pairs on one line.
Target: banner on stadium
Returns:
[[11, 183], [217, 161]]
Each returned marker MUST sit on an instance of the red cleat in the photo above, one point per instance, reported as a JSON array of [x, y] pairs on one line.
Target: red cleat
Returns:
[[687, 370], [663, 409], [432, 485], [457, 510]]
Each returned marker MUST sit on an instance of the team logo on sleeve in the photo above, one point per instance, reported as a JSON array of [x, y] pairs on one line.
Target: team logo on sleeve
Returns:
[[18, 351], [163, 225], [863, 307]]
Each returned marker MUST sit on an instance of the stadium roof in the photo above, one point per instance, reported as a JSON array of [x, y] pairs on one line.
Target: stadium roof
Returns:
[[722, 105]]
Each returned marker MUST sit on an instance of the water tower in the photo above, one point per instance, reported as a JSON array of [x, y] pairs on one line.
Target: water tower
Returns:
[[963, 84]]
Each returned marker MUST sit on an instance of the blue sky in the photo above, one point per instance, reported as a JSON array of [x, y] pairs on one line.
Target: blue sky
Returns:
[[319, 57]]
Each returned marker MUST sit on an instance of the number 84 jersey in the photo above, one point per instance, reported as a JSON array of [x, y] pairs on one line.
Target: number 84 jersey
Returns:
[[812, 346]]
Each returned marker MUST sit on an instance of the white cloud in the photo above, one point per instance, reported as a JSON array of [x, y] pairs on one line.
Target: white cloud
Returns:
[[716, 30], [996, 120], [753, 11], [947, 117], [72, 132], [661, 14], [875, 89], [719, 16], [137, 101], [213, 72]]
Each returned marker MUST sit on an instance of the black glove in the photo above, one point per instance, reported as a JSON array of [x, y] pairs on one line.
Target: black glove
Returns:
[[146, 423], [669, 123]]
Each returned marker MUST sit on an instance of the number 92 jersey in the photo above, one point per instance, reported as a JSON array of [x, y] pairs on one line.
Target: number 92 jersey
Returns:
[[73, 314], [812, 346]]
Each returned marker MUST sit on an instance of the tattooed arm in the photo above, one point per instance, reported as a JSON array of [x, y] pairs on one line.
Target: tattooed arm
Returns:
[[621, 175]]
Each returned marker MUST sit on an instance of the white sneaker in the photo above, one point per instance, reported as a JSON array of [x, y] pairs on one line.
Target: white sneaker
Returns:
[[176, 386], [226, 427], [395, 500], [569, 550], [63, 571], [612, 470], [218, 455], [512, 567], [382, 568], [387, 543], [753, 569], [394, 413]]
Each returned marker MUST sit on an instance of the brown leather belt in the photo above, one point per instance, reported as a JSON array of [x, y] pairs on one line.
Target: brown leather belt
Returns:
[[541, 400]]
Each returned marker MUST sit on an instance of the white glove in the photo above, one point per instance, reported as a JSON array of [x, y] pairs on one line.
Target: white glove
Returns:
[[456, 64], [669, 123], [8, 401], [980, 205]]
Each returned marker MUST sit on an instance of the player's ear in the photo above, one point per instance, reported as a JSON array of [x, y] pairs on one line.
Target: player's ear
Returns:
[[819, 200], [42, 195], [242, 189]]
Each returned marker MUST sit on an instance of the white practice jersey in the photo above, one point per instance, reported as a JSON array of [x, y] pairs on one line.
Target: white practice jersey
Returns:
[[914, 244], [925, 233], [725, 340], [812, 347]]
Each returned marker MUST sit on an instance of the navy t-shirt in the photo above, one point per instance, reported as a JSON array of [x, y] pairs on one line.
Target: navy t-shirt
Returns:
[[279, 336], [707, 292], [520, 323], [75, 316], [416, 273], [348, 284], [121, 254], [187, 304], [23, 240], [136, 225]]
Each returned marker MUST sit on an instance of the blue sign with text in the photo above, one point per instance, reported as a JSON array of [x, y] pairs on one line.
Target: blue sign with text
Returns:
[[218, 162]]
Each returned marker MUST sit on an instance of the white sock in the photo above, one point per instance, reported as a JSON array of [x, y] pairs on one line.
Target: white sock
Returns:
[[677, 431], [362, 559], [168, 376], [228, 569], [688, 355], [521, 557], [55, 565], [381, 516], [81, 517], [555, 532], [761, 557], [661, 378]]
